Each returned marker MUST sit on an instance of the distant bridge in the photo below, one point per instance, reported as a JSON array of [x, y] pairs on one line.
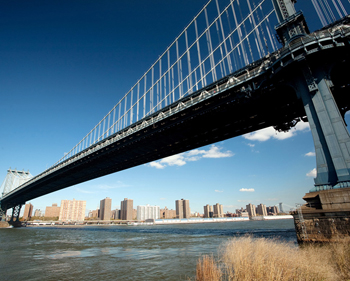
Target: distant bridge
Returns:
[[222, 77]]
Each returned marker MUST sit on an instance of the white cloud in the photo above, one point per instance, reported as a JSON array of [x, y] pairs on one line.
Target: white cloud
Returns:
[[156, 165], [174, 160], [251, 145], [214, 152], [270, 132], [193, 155], [310, 154], [218, 190], [312, 173], [247, 190]]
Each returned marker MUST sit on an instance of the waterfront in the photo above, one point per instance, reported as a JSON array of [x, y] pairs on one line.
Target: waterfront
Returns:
[[165, 252]]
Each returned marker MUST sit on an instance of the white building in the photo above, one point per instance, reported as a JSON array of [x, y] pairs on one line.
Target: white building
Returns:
[[148, 212]]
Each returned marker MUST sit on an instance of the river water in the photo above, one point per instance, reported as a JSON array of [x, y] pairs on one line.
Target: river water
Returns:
[[163, 252]]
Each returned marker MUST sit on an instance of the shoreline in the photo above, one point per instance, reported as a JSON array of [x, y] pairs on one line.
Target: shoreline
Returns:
[[155, 222]]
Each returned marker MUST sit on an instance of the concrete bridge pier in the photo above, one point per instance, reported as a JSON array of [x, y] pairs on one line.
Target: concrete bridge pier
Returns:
[[325, 216]]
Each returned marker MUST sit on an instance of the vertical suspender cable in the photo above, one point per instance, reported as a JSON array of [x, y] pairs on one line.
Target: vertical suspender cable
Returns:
[[189, 79], [169, 76], [131, 106], [228, 58], [212, 64], [319, 12], [324, 11], [329, 10], [201, 65], [160, 84], [144, 97], [342, 7], [138, 102], [245, 30]]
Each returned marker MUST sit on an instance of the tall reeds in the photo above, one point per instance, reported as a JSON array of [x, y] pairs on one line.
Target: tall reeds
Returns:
[[249, 258]]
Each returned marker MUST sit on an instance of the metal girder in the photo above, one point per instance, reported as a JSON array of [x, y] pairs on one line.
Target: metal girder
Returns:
[[14, 179], [15, 213]]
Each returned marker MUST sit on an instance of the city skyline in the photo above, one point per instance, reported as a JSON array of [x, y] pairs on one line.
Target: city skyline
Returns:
[[105, 206], [67, 69]]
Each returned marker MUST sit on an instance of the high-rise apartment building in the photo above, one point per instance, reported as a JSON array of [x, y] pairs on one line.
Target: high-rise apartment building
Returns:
[[218, 211], [106, 209], [272, 210], [126, 209], [134, 214], [28, 211], [53, 211], [72, 210], [116, 214], [183, 209], [147, 212], [167, 214], [94, 214], [251, 210], [208, 211], [261, 210], [37, 213]]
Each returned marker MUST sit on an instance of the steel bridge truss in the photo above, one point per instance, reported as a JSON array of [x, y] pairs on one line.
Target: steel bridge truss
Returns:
[[14, 179]]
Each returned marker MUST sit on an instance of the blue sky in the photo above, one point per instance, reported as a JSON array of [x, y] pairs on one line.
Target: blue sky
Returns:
[[65, 64]]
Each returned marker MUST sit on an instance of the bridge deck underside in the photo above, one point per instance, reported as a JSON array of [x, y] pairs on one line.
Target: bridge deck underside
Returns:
[[226, 115], [213, 120]]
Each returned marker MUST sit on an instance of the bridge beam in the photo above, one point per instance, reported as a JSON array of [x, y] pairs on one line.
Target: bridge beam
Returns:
[[15, 213], [329, 132]]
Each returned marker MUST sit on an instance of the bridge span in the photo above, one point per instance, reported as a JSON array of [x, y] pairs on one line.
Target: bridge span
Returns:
[[303, 81]]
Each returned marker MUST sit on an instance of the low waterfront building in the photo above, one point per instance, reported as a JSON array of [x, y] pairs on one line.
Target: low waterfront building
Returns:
[[148, 212]]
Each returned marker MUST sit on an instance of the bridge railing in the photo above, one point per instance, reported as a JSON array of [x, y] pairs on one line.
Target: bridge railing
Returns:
[[223, 37]]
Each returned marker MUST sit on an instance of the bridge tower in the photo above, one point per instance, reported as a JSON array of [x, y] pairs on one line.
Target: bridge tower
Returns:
[[313, 85], [313, 79], [13, 179]]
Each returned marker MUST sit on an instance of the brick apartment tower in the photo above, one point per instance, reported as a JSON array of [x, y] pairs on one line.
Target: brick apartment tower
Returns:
[[126, 209], [28, 211], [72, 210], [106, 209], [183, 209]]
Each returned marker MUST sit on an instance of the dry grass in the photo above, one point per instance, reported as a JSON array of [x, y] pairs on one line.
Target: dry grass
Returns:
[[248, 258], [207, 270]]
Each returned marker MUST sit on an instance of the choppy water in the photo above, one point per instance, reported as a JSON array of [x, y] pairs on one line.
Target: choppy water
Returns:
[[165, 252]]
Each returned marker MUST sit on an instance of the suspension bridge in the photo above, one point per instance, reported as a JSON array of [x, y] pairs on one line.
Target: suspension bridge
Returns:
[[238, 66]]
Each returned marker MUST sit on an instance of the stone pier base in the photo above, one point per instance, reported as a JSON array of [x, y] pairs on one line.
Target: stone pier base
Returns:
[[325, 217], [4, 224], [322, 226]]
